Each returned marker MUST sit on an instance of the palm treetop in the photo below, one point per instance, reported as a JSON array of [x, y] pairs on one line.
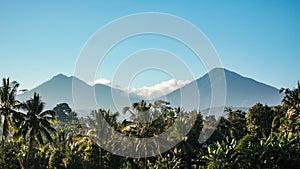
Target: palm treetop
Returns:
[[8, 106], [37, 123]]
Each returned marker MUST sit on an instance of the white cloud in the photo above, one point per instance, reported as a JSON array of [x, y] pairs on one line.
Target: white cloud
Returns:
[[101, 81], [148, 92], [161, 89]]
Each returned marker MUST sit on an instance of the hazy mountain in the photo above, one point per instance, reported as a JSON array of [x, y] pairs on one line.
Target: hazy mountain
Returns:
[[59, 90], [53, 91], [241, 92]]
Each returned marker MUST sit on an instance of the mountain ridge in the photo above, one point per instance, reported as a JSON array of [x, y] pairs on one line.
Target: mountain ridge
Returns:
[[242, 91]]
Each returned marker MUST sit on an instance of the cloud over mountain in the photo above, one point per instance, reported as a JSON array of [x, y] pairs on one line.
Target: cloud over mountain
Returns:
[[103, 81], [149, 92], [161, 89]]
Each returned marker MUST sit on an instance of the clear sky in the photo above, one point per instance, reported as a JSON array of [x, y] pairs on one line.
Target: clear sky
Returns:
[[257, 39]]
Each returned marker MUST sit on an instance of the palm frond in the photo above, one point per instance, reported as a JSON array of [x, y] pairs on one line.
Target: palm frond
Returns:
[[46, 134], [48, 113]]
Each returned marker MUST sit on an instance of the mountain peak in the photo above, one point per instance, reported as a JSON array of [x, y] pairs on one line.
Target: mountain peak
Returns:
[[218, 69], [60, 76]]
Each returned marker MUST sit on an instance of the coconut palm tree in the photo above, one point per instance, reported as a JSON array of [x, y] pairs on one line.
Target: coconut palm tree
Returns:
[[8, 106], [36, 126], [97, 129], [37, 123]]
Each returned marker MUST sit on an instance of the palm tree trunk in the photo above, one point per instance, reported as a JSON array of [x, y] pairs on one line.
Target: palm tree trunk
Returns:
[[4, 130], [100, 157], [27, 156]]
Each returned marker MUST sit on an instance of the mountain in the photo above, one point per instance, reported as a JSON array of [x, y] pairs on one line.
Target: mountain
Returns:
[[241, 92], [59, 90]]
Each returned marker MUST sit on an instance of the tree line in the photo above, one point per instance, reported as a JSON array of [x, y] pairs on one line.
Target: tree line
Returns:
[[33, 138]]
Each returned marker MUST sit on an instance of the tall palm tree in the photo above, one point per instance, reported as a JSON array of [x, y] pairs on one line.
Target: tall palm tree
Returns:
[[37, 123], [8, 106], [97, 129], [36, 126]]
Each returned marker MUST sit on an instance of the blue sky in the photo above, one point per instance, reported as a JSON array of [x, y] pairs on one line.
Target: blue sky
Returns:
[[257, 39]]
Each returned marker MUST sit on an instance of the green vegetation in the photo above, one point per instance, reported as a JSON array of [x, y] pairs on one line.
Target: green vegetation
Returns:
[[264, 137]]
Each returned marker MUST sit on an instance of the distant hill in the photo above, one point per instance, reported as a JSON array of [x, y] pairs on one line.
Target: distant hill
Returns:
[[241, 92]]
